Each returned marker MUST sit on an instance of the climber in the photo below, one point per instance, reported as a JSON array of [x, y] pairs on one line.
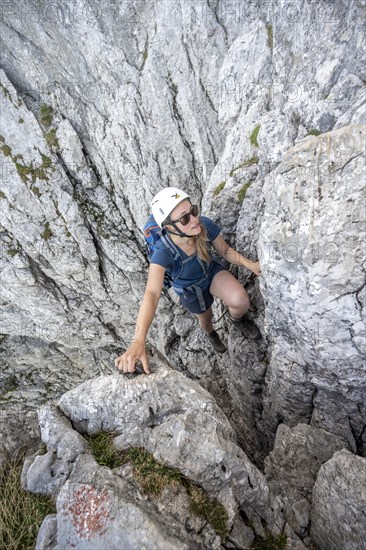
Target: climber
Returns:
[[196, 278]]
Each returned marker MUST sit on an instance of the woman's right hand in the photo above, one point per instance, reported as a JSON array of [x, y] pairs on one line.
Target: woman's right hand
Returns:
[[127, 361]]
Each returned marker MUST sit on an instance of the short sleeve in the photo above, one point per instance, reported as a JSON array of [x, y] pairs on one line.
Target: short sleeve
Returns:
[[213, 230], [163, 257]]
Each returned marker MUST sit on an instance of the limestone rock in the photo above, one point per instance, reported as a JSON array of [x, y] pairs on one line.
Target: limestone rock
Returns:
[[292, 467], [46, 538], [58, 434], [338, 517], [264, 131], [85, 147], [313, 280], [178, 422], [97, 509]]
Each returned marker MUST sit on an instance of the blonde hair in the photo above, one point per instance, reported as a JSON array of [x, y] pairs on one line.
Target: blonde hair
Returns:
[[201, 245]]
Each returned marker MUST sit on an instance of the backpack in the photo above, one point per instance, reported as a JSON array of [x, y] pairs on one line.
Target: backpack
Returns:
[[152, 234]]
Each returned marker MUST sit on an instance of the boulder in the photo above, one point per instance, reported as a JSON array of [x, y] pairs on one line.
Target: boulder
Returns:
[[338, 518]]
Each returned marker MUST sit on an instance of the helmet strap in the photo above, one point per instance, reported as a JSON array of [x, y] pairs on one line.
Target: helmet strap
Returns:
[[179, 232]]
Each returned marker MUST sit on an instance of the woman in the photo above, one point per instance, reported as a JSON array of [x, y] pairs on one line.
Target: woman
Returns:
[[182, 253]]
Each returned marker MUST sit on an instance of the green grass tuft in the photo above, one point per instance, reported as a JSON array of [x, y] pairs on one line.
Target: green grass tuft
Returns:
[[51, 138], [245, 164], [219, 188], [36, 191], [254, 135], [2, 195], [211, 510], [23, 171], [46, 115], [243, 191], [6, 150], [104, 451], [47, 233], [153, 477], [21, 512], [313, 132], [270, 542]]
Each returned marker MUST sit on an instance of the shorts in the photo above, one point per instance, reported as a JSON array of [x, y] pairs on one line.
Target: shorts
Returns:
[[200, 300]]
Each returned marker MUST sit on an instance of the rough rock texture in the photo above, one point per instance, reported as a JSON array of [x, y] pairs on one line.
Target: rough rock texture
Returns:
[[181, 425], [314, 285], [338, 518], [255, 108], [291, 469], [177, 421], [91, 128]]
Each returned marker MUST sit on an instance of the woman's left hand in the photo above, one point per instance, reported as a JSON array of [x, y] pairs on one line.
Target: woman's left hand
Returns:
[[255, 267]]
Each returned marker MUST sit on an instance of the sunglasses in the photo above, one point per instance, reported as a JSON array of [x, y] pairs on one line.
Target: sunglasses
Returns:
[[185, 219]]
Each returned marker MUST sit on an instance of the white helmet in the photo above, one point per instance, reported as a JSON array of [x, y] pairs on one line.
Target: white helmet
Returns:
[[165, 201]]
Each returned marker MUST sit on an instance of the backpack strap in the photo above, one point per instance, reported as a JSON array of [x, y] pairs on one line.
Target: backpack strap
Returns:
[[177, 255]]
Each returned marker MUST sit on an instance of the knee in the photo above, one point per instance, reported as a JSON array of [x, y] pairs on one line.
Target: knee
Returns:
[[240, 300]]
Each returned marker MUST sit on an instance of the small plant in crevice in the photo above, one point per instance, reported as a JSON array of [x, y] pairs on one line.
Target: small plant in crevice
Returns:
[[249, 162], [51, 138], [313, 132], [270, 542], [219, 188], [104, 450], [243, 191], [6, 150], [46, 115], [254, 136], [153, 477], [269, 28], [47, 233]]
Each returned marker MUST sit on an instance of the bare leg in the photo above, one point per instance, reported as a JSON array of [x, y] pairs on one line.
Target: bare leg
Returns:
[[231, 292]]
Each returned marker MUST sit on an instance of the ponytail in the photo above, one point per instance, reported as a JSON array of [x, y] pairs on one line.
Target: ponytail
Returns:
[[201, 245]]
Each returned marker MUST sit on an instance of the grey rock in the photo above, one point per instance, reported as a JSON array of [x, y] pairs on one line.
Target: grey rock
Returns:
[[179, 423], [293, 542], [46, 538], [58, 434], [291, 470], [301, 510], [339, 502], [241, 535], [97, 509], [311, 280], [40, 476], [74, 268]]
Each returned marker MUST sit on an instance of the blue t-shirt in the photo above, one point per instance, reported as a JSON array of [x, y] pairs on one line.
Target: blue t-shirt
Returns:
[[192, 271]]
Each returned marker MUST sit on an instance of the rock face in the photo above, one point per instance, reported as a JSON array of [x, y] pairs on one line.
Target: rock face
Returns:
[[175, 420], [291, 470], [339, 502], [92, 128], [258, 111], [314, 285]]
